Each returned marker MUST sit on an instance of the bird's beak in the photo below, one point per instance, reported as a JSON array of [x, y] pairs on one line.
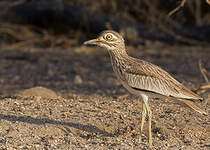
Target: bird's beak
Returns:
[[93, 42]]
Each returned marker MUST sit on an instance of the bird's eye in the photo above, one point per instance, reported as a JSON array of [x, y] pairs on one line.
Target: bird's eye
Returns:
[[108, 37]]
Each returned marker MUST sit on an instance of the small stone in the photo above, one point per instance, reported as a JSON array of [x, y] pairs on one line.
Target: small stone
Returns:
[[78, 79]]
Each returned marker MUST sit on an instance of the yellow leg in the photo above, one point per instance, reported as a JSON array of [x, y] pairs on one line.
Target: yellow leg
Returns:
[[142, 120], [149, 113]]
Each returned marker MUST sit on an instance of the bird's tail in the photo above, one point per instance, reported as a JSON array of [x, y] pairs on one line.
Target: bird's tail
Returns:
[[192, 105]]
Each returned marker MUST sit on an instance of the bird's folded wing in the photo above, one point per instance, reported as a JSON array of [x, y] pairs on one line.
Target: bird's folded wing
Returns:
[[146, 76]]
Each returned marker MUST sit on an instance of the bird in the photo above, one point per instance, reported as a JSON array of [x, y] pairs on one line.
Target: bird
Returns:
[[142, 78]]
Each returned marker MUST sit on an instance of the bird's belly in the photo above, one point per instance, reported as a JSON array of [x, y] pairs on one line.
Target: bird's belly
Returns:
[[130, 89]]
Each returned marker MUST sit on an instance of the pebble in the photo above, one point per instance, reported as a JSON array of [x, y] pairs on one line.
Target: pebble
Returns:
[[78, 79]]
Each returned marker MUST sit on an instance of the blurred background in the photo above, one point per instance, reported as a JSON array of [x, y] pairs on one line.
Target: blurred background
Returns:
[[41, 40], [56, 93], [64, 22]]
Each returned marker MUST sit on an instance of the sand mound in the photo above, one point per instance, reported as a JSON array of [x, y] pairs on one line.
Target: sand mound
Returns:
[[38, 92]]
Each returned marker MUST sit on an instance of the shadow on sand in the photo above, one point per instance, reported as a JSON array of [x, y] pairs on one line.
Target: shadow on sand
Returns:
[[42, 121]]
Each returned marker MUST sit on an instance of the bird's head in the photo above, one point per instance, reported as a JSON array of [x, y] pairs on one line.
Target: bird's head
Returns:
[[109, 39]]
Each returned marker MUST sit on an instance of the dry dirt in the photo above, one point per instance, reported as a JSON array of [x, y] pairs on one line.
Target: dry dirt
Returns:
[[77, 103]]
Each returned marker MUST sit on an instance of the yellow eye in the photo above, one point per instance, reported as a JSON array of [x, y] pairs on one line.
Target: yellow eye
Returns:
[[108, 37]]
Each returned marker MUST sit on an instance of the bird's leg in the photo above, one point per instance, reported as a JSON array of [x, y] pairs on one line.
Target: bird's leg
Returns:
[[149, 113], [144, 112]]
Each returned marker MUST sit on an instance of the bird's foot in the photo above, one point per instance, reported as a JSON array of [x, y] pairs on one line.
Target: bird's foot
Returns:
[[140, 139], [150, 143]]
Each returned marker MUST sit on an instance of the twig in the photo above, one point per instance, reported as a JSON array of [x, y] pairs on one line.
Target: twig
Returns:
[[205, 86], [203, 71], [179, 37], [178, 7], [20, 44], [15, 3]]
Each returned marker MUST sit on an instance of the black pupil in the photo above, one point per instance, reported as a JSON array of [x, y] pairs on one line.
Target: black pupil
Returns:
[[108, 36]]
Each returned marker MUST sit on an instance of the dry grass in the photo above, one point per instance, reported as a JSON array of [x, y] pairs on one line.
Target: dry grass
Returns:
[[31, 36]]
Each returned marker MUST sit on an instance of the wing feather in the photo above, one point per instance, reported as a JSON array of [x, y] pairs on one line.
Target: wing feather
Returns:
[[143, 75]]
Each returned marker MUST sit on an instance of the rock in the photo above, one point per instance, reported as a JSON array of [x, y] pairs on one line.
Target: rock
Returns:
[[78, 79]]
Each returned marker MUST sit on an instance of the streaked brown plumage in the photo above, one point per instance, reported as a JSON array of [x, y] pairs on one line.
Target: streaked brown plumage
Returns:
[[143, 78]]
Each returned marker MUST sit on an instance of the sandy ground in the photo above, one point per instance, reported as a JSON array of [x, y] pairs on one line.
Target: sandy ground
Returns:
[[79, 104]]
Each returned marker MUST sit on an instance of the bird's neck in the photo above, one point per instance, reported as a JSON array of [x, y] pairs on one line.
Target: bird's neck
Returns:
[[118, 61], [118, 53], [118, 56]]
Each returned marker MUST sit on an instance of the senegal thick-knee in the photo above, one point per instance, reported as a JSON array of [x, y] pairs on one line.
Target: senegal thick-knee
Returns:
[[142, 78]]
